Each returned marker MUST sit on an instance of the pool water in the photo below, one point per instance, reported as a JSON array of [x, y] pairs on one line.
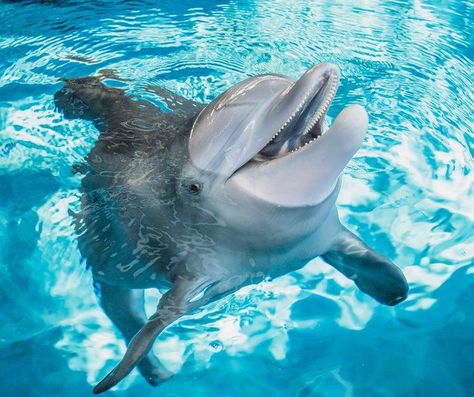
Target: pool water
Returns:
[[408, 193]]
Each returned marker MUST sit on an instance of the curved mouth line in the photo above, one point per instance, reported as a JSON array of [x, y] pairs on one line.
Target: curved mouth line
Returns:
[[305, 125]]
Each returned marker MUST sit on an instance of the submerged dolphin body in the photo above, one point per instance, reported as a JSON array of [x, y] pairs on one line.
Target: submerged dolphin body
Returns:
[[207, 199]]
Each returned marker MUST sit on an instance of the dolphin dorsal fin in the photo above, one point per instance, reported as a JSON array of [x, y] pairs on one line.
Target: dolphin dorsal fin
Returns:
[[372, 272]]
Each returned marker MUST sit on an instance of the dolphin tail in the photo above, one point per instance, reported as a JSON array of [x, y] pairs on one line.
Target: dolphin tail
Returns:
[[373, 273]]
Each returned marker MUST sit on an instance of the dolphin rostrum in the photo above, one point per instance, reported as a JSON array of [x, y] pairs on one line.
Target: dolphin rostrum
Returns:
[[206, 199]]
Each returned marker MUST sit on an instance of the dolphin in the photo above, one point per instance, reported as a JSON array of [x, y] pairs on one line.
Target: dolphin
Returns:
[[203, 200]]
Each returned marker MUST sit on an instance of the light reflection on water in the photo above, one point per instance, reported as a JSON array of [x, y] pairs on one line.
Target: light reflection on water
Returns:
[[408, 192]]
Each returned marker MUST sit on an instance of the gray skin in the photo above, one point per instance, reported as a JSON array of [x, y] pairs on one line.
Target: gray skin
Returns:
[[204, 200]]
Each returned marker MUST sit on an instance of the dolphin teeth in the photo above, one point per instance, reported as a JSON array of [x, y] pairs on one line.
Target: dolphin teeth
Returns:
[[322, 110], [305, 144], [317, 117]]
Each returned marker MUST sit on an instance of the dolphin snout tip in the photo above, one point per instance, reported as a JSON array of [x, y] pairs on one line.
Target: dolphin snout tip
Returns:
[[324, 69], [359, 114], [349, 129]]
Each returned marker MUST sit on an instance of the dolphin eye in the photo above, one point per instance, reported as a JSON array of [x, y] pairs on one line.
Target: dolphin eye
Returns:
[[195, 188]]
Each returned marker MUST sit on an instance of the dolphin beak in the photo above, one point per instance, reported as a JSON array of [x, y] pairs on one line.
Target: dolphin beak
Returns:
[[308, 175]]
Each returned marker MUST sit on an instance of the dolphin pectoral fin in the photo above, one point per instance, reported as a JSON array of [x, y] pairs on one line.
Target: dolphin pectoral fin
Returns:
[[373, 273], [126, 309], [184, 297], [138, 348]]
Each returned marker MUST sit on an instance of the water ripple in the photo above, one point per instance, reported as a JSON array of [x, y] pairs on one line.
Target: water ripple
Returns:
[[408, 192]]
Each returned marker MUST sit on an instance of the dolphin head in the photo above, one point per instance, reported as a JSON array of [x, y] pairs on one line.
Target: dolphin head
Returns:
[[264, 141]]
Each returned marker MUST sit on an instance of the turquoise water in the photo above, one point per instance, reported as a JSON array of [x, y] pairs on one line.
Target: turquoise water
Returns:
[[408, 192]]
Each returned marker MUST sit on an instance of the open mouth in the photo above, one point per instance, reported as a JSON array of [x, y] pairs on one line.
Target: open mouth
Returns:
[[306, 123], [267, 136], [273, 143]]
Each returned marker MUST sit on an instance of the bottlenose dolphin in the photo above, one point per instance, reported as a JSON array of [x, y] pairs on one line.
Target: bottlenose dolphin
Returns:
[[206, 199]]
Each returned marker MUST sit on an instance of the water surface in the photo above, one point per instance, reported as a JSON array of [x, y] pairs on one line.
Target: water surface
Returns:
[[408, 193]]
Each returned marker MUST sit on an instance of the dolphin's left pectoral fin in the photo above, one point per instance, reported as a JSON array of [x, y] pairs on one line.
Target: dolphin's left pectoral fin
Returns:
[[185, 296], [373, 273]]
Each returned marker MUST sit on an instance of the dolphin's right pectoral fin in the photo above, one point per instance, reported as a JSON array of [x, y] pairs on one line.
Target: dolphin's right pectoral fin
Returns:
[[185, 296], [373, 273]]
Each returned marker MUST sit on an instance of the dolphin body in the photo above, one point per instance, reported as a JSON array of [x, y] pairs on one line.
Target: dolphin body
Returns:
[[206, 199]]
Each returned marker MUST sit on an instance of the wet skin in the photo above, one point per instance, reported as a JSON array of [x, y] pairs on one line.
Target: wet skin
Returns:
[[206, 199]]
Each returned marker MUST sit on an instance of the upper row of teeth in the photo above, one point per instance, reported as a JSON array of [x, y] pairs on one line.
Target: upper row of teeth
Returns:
[[322, 110], [316, 117], [290, 119]]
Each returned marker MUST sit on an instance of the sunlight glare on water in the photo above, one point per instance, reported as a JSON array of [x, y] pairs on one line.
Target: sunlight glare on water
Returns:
[[408, 193]]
